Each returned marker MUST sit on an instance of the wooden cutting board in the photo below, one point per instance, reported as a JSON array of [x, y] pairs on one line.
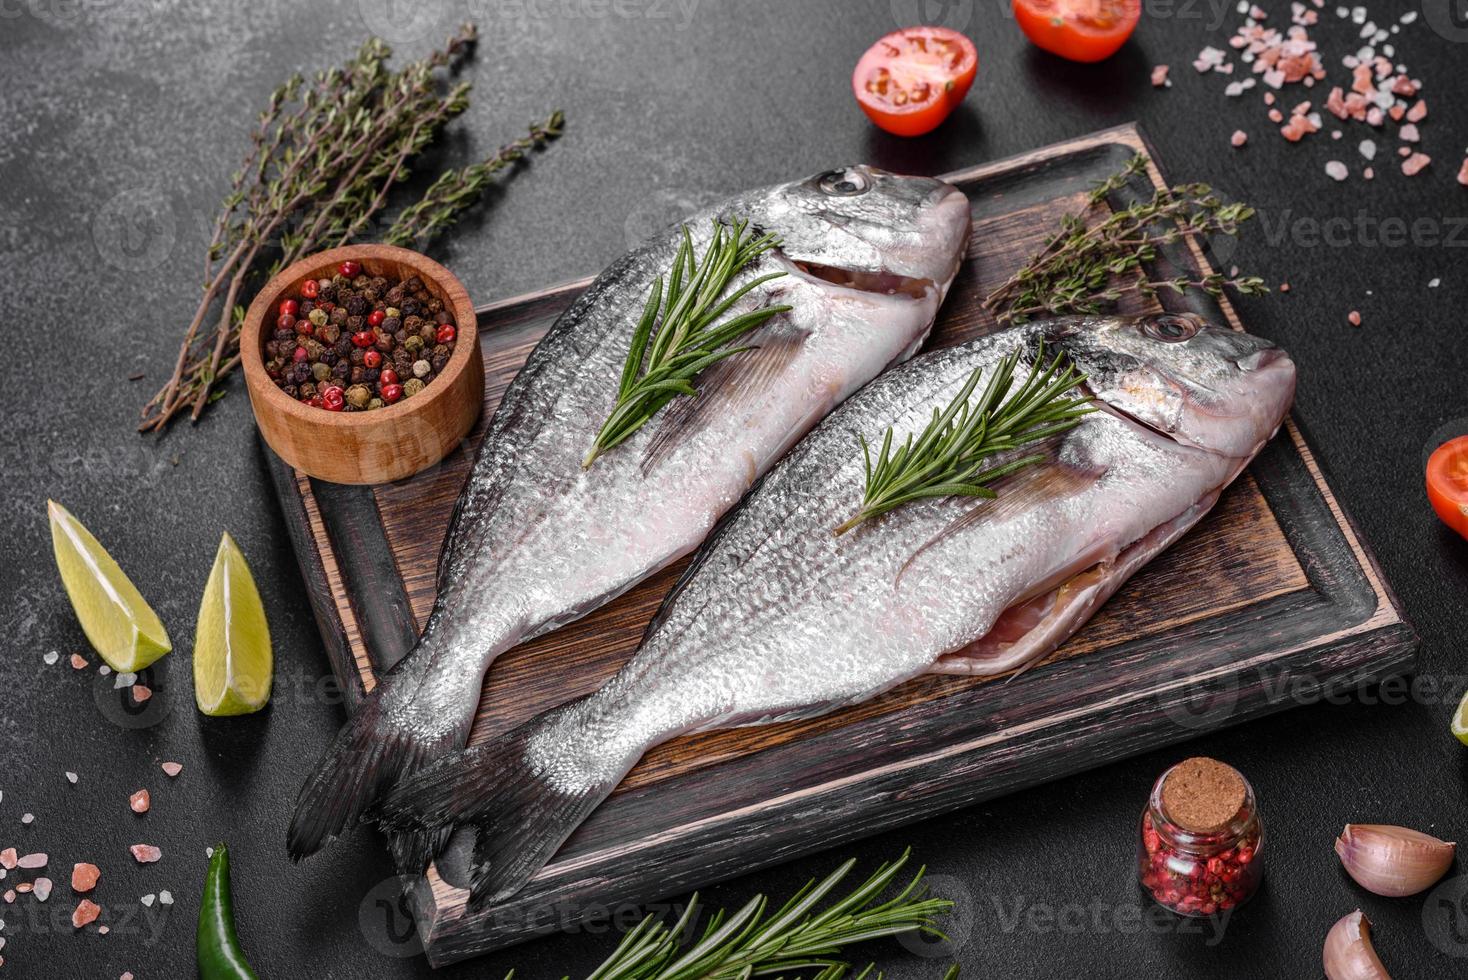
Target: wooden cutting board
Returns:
[[1275, 584]]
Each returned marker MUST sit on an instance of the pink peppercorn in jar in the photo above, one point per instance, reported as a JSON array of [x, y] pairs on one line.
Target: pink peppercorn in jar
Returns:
[[1202, 843]]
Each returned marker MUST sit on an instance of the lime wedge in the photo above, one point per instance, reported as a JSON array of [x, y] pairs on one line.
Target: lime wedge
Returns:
[[112, 612], [1460, 721], [232, 658]]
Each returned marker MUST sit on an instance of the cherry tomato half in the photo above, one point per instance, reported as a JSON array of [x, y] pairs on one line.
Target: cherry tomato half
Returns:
[[1081, 30], [910, 80], [1447, 483]]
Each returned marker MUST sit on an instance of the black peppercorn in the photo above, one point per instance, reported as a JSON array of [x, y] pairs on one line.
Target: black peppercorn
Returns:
[[435, 305], [291, 390], [341, 369], [357, 356], [300, 371], [358, 305], [358, 375], [410, 307]]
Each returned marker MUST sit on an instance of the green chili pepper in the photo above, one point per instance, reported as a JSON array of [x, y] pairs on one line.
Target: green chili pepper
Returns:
[[220, 956]]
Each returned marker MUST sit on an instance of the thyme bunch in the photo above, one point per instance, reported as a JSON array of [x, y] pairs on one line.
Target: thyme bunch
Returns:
[[1091, 264], [324, 157], [951, 456], [797, 940], [679, 333]]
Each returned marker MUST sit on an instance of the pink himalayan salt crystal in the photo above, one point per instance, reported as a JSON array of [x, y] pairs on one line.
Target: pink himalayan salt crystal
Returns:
[[31, 861], [145, 853], [172, 768], [1368, 173], [1269, 98], [85, 914], [1396, 112], [126, 976], [84, 877], [140, 801], [1418, 112], [1408, 132], [9, 896], [1354, 318], [1275, 116], [42, 889], [141, 693], [8, 859], [1159, 76], [1239, 138], [1336, 170], [78, 662], [1414, 164], [1463, 174]]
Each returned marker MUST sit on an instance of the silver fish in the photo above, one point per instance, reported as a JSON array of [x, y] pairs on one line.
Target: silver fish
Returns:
[[538, 541], [779, 619]]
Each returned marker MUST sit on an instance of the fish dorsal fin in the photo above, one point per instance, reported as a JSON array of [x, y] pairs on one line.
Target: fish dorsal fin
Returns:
[[730, 386]]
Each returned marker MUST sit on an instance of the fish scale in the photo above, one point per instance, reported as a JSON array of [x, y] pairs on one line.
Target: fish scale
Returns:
[[538, 540], [779, 618]]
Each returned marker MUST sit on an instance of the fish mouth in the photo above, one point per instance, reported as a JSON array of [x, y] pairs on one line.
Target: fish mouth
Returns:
[[881, 281]]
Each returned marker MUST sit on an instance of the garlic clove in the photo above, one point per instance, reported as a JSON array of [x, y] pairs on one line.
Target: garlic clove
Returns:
[[1349, 954], [1393, 861]]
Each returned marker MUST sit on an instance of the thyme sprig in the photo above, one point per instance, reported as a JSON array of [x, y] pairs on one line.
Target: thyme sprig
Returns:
[[952, 456], [797, 940], [1092, 263], [324, 157], [679, 333]]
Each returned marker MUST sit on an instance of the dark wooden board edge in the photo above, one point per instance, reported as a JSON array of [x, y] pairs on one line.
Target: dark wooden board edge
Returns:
[[319, 591], [370, 577], [799, 824], [1379, 644]]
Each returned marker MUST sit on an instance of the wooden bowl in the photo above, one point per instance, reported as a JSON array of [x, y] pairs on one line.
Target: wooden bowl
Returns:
[[385, 444]]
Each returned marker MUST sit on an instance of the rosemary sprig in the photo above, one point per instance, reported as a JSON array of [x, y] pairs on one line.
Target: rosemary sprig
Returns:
[[951, 455], [324, 157], [1092, 264], [679, 334], [797, 940]]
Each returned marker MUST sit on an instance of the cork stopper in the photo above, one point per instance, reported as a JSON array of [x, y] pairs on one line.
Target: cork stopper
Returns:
[[1202, 795]]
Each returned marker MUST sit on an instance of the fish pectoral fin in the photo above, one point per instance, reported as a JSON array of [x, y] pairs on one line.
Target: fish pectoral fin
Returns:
[[1033, 628], [1045, 481], [726, 388]]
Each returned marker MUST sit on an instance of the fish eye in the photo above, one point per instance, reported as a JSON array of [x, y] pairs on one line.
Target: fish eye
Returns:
[[843, 183], [1171, 329]]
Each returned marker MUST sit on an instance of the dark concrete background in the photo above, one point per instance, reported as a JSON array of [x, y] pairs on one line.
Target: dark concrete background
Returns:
[[120, 121]]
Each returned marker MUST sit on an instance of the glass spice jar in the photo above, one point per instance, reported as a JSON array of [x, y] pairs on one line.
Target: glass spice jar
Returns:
[[1201, 848]]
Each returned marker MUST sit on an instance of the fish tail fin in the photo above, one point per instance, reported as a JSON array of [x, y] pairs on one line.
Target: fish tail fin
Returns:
[[383, 741], [524, 797]]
